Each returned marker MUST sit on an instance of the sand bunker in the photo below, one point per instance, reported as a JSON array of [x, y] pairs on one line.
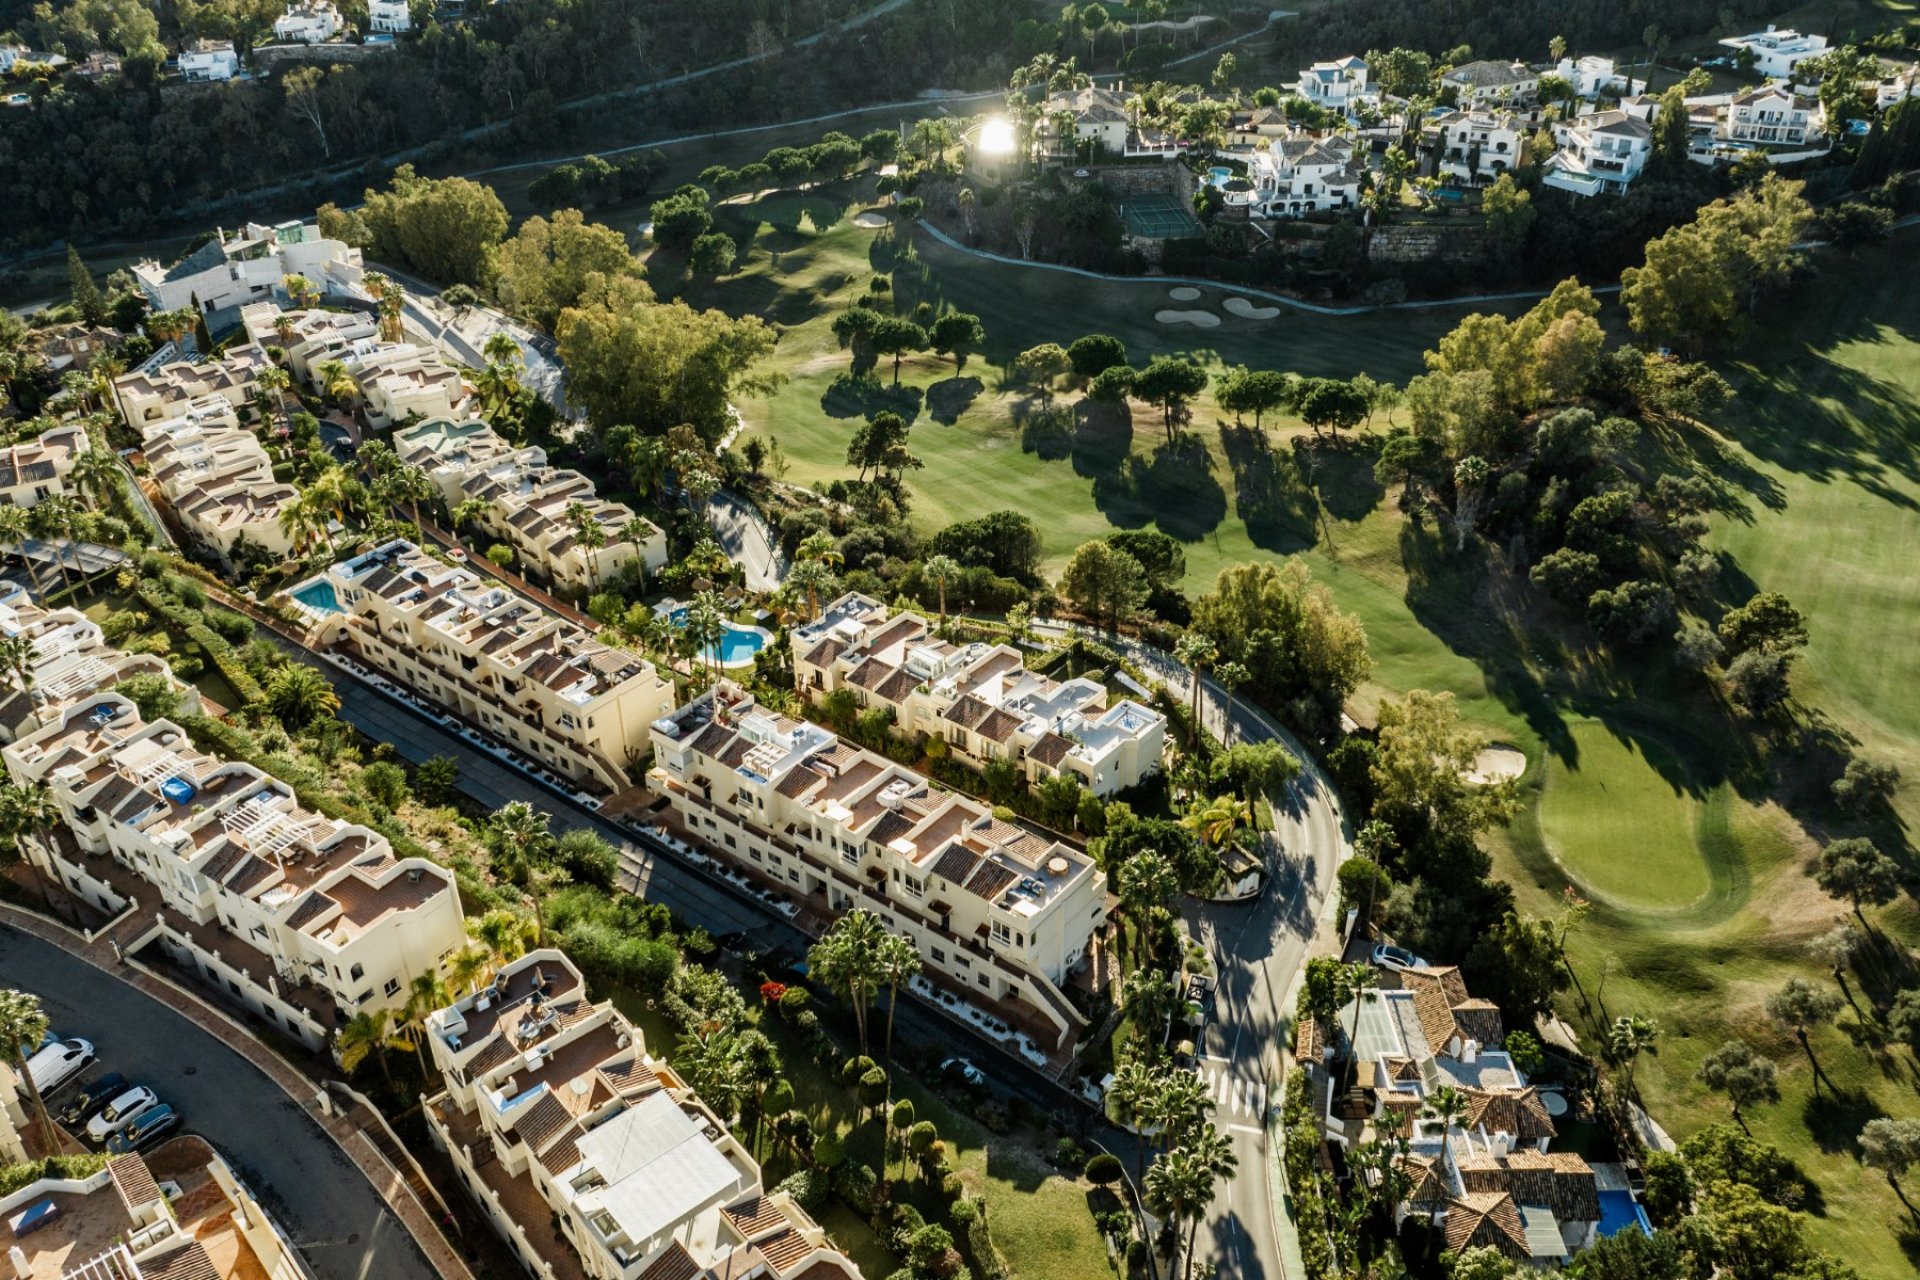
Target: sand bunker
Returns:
[[1205, 319], [1247, 311], [1497, 764], [1183, 293], [870, 220]]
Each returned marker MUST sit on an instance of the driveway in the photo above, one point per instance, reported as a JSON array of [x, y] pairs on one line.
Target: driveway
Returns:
[[744, 536], [322, 1200]]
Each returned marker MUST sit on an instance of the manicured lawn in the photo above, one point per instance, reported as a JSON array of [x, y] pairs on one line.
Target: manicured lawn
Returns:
[[1619, 827], [1639, 784]]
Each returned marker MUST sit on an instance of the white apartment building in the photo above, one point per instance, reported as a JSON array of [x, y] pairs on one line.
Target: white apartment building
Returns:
[[979, 698], [310, 338], [389, 17], [538, 683], [996, 911], [308, 22], [402, 380], [38, 468], [1301, 174], [219, 484], [236, 268], [1336, 86], [207, 60], [184, 389], [1485, 84], [177, 1213], [304, 919], [1771, 116], [528, 502], [71, 659], [1475, 147], [1599, 154], [590, 1156], [1775, 52]]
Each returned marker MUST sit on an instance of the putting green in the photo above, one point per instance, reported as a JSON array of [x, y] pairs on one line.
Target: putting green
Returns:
[[1620, 823]]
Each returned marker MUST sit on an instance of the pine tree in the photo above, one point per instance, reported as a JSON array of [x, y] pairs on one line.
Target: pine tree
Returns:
[[87, 298], [1876, 153]]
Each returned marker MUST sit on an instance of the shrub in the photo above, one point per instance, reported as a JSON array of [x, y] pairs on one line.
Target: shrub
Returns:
[[1105, 1169], [808, 1188]]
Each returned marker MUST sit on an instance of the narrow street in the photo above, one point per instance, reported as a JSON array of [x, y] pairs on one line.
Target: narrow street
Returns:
[[326, 1206]]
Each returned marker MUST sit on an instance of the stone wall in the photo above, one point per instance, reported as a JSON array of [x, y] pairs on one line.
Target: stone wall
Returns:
[[271, 57], [1423, 244]]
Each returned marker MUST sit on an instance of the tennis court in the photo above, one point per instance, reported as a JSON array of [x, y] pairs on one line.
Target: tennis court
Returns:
[[1158, 216]]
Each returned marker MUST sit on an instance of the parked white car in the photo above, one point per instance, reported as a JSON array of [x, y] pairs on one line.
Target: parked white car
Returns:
[[1398, 959], [58, 1062], [121, 1112]]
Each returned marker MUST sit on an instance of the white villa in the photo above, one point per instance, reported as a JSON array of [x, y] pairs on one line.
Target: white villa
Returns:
[[1599, 154], [218, 482], [182, 389], [1771, 116], [1301, 174], [978, 698], [308, 22], [1775, 52], [402, 380], [1483, 84], [236, 268], [71, 659], [1101, 116], [1594, 76], [528, 502], [389, 17], [1339, 86], [1001, 914], [38, 468], [590, 1156], [207, 60], [310, 338], [1477, 146]]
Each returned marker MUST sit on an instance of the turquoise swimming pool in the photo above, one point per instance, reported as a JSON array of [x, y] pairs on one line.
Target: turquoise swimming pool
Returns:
[[737, 646], [318, 596]]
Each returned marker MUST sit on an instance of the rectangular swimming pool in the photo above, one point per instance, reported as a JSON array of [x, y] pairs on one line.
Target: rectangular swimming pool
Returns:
[[1618, 1211]]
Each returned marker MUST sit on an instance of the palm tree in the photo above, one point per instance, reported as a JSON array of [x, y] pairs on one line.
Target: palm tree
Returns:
[[27, 810], [51, 518], [1230, 676], [899, 961], [520, 838], [426, 994], [466, 966], [14, 531], [637, 530], [411, 484], [500, 348], [706, 626], [274, 381], [369, 1033], [503, 934], [17, 655], [1148, 997], [586, 528], [1217, 821], [941, 570], [300, 289], [498, 386], [469, 511], [300, 694], [23, 1025], [811, 577], [1147, 882], [96, 472], [1628, 1038], [1181, 1183], [1196, 652], [848, 957], [336, 383], [283, 329], [1129, 1099], [1447, 1105]]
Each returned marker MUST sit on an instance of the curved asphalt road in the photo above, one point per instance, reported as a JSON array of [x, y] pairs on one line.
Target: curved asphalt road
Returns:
[[322, 1200], [1258, 949]]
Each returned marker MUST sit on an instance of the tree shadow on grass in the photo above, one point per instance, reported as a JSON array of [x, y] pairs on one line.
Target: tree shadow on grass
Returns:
[[1342, 472], [948, 399], [854, 395], [1819, 418], [1177, 484], [1270, 495], [1834, 1118]]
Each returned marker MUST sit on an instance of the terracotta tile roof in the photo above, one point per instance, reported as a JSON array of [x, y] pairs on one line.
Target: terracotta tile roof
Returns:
[[1402, 1069], [499, 1051], [956, 864], [563, 1154], [250, 873], [1479, 1020], [1516, 1111], [998, 725], [799, 780], [1435, 992], [189, 1263], [967, 711], [1309, 1045], [989, 880], [1487, 1220], [755, 1217], [892, 826], [675, 1264], [898, 686], [133, 1180], [871, 674], [1051, 749], [630, 1076], [824, 653], [538, 1121], [785, 1249], [1424, 1183], [712, 739]]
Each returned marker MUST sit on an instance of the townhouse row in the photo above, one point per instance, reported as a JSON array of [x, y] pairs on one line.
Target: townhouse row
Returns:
[[590, 1156], [306, 920]]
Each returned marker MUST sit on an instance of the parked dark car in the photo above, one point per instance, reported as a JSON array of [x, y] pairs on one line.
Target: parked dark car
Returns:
[[81, 1107], [152, 1125]]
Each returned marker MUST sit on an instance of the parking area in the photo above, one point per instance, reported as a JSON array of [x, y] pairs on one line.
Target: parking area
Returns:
[[340, 1226]]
